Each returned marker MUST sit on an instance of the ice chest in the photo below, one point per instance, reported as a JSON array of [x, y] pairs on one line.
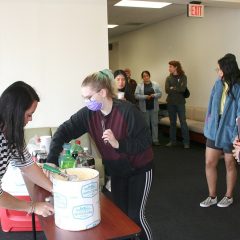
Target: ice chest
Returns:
[[12, 220]]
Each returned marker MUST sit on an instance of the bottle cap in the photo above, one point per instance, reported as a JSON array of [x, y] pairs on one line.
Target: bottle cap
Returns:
[[66, 146]]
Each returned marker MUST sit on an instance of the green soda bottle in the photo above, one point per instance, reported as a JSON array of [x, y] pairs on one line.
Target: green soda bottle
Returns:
[[76, 149], [68, 161]]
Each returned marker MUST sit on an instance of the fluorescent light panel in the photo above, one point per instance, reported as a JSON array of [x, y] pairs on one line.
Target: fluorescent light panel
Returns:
[[112, 25], [141, 4]]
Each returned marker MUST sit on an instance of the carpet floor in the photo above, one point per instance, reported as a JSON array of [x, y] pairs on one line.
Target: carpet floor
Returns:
[[179, 186]]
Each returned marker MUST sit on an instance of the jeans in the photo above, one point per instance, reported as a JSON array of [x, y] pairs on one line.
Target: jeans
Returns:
[[151, 117], [173, 111]]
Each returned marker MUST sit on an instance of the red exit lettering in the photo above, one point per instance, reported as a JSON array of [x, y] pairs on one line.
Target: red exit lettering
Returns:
[[195, 10]]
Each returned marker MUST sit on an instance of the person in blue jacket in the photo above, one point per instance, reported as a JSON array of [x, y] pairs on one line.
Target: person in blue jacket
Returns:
[[220, 129]]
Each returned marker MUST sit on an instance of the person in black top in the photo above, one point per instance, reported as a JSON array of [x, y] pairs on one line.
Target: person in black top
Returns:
[[175, 86], [123, 140], [17, 105], [132, 83], [123, 85]]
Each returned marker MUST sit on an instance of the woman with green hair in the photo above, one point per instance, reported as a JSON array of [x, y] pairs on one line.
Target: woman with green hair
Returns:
[[123, 139]]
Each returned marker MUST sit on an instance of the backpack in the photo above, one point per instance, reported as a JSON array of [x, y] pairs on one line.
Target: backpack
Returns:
[[186, 93]]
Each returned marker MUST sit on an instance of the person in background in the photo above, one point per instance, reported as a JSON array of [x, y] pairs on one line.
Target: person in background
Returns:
[[220, 129], [17, 105], [132, 83], [123, 86], [148, 93], [123, 140], [175, 86]]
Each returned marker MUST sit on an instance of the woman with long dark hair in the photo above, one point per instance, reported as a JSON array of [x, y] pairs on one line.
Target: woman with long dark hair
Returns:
[[17, 105], [220, 129], [123, 86]]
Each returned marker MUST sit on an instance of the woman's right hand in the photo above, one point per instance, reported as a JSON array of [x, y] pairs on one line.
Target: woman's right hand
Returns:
[[44, 209]]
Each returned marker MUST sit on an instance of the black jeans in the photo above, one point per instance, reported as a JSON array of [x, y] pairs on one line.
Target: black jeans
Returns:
[[179, 110]]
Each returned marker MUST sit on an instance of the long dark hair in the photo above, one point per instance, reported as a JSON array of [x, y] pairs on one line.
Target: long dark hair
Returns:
[[121, 72], [231, 72], [14, 102]]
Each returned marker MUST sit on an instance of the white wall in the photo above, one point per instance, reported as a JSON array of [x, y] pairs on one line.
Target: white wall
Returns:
[[196, 42], [52, 45]]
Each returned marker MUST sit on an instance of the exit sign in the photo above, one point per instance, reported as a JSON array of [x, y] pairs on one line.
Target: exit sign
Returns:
[[195, 10]]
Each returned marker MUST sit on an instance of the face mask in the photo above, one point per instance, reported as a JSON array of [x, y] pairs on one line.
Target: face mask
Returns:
[[93, 105]]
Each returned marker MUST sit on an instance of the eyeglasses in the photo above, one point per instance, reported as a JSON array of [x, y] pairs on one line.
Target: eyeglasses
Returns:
[[89, 98]]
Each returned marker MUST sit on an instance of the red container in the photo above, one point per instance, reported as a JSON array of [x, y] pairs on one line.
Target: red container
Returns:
[[17, 221]]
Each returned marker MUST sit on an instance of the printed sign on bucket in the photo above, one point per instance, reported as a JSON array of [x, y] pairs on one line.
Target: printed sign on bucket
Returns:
[[83, 212], [89, 190]]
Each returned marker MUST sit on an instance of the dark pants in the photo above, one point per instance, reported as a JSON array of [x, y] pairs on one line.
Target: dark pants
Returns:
[[130, 195], [180, 111]]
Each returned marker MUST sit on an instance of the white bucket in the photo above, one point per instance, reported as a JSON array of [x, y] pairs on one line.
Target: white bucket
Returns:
[[76, 204]]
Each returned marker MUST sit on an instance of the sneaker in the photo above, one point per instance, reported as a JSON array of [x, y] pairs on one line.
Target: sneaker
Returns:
[[225, 202], [186, 146], [208, 202], [108, 185], [156, 144], [171, 144]]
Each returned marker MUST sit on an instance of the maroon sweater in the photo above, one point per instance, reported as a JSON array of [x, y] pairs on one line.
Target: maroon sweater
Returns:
[[129, 128]]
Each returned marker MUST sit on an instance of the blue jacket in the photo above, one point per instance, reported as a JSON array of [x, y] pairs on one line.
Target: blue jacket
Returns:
[[139, 94], [223, 132]]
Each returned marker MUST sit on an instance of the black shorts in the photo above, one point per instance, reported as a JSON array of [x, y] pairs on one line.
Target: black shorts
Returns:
[[211, 144]]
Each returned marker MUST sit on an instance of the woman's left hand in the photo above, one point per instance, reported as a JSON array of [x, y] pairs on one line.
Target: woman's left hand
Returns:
[[236, 150], [236, 154], [109, 137]]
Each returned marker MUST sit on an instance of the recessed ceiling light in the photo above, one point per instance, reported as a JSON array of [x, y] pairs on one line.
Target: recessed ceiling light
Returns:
[[112, 25], [141, 4]]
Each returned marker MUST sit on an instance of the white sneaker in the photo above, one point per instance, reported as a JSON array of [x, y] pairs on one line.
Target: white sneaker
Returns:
[[186, 146], [171, 144], [225, 202], [208, 202]]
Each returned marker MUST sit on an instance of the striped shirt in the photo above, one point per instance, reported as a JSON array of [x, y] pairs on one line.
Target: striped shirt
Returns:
[[6, 156]]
